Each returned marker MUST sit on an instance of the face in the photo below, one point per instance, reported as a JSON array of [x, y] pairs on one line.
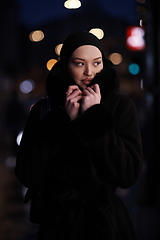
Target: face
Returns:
[[84, 63]]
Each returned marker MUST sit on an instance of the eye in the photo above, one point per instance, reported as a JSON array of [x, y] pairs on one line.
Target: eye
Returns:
[[97, 63], [79, 64]]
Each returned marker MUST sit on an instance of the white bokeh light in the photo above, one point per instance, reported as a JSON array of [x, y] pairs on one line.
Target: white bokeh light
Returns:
[[27, 86], [19, 137], [72, 4]]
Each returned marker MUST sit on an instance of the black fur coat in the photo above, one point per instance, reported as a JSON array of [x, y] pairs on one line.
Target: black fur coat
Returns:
[[82, 162]]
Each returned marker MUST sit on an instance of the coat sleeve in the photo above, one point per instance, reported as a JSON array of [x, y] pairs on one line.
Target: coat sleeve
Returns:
[[115, 141], [39, 144]]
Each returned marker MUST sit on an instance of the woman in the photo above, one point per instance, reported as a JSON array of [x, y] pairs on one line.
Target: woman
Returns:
[[83, 148]]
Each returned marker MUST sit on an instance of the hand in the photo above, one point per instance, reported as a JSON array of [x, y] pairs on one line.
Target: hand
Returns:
[[72, 105], [90, 96]]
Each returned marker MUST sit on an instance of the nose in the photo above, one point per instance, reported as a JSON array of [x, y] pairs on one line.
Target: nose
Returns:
[[88, 70]]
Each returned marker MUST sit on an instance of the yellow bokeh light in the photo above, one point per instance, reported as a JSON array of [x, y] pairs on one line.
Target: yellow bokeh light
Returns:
[[116, 58], [36, 36], [51, 63], [58, 49], [97, 32], [72, 4]]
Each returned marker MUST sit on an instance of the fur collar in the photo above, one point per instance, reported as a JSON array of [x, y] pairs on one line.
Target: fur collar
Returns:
[[58, 81]]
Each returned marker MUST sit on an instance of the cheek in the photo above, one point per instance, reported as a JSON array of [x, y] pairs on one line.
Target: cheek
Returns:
[[76, 73], [72, 71], [99, 68]]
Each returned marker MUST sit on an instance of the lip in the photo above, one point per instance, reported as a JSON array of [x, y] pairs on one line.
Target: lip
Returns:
[[87, 81]]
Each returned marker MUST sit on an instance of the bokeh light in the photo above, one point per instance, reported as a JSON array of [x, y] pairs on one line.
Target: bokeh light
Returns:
[[51, 63], [116, 58], [19, 137], [27, 86], [58, 49], [134, 68], [10, 162], [141, 1], [142, 85], [36, 36], [141, 10], [135, 38], [97, 32], [72, 4]]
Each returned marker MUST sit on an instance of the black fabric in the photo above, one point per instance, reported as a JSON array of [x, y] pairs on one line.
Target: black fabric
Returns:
[[116, 159]]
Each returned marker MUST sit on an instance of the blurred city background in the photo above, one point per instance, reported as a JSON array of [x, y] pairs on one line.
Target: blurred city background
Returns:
[[31, 34]]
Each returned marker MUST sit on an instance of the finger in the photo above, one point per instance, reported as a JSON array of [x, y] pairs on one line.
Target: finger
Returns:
[[96, 88], [74, 99], [85, 92], [71, 89], [74, 94], [90, 90]]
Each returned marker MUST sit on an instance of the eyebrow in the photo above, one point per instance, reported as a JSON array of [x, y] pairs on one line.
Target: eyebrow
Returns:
[[84, 59]]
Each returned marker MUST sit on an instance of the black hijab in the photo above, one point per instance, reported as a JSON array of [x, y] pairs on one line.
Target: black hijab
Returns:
[[75, 41], [58, 78]]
